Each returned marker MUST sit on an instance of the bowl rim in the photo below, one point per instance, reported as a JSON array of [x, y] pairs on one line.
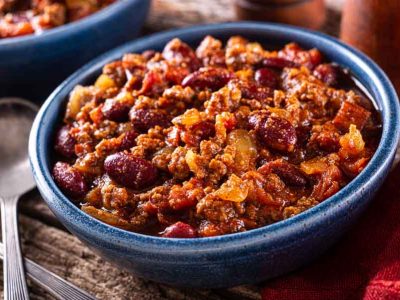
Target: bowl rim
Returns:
[[69, 28], [121, 238]]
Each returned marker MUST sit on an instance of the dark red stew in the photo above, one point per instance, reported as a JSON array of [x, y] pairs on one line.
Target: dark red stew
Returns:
[[22, 17], [215, 140]]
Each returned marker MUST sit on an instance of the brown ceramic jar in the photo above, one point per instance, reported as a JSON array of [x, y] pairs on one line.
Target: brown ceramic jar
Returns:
[[305, 13], [373, 26]]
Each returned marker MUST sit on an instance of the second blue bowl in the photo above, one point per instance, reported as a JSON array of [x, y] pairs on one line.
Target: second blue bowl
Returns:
[[32, 66]]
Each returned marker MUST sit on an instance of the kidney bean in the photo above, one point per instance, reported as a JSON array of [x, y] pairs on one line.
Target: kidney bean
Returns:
[[65, 143], [277, 63], [179, 230], [115, 110], [266, 77], [130, 171], [69, 180], [251, 90], [144, 119], [327, 74], [289, 173], [274, 132], [333, 75], [128, 141], [181, 52], [148, 54], [212, 78], [279, 134]]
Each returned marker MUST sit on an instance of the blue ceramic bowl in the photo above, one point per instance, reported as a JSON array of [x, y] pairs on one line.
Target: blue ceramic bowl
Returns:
[[32, 66], [239, 258]]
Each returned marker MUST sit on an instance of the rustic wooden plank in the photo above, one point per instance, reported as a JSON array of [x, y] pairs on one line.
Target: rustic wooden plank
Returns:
[[32, 205], [65, 255], [166, 14], [179, 13], [62, 253], [241, 292]]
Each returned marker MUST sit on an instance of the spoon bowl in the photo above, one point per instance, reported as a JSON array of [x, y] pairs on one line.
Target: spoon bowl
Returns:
[[16, 117]]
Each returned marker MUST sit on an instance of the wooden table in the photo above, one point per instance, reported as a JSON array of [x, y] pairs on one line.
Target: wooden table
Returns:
[[47, 242]]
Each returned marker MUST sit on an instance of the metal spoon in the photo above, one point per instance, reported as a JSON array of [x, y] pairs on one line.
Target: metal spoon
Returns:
[[16, 118], [54, 284]]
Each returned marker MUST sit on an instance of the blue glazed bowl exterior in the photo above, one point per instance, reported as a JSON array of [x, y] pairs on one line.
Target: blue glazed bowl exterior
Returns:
[[240, 258], [32, 66]]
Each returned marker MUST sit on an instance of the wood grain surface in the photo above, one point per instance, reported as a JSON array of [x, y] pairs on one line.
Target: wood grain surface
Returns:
[[166, 14], [46, 242]]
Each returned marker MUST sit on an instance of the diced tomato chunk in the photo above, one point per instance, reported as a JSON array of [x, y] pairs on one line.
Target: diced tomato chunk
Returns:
[[350, 113]]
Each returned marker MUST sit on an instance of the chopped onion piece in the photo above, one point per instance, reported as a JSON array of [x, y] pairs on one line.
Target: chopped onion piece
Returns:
[[104, 82], [234, 189], [314, 166]]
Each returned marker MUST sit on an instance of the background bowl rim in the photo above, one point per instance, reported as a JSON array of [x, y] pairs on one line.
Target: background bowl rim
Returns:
[[69, 28], [108, 234]]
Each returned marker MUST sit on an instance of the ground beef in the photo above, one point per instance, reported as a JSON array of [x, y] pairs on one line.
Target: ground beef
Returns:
[[197, 143]]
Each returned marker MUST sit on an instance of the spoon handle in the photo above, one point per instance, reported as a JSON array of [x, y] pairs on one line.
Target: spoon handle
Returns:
[[54, 284], [15, 287]]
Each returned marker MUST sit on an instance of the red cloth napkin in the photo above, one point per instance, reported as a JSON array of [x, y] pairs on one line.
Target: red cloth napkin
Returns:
[[365, 264]]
